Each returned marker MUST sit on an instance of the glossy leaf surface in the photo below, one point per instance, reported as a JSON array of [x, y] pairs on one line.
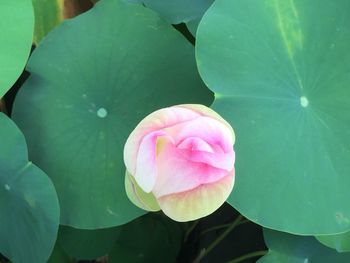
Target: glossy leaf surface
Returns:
[[280, 77]]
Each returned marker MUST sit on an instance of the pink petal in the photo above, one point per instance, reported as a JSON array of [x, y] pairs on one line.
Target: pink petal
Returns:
[[205, 111], [195, 144], [223, 161], [157, 120], [208, 129], [146, 168], [196, 150], [177, 174]]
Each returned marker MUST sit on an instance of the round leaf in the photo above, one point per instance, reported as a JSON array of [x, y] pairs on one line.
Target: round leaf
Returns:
[[16, 27], [93, 79], [29, 211], [288, 248], [280, 77], [340, 242]]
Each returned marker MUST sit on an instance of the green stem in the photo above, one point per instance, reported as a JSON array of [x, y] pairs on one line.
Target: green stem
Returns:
[[248, 256], [190, 229], [224, 234], [204, 252], [244, 221]]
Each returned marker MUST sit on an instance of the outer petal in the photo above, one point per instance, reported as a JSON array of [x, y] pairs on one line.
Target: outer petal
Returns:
[[177, 174], [146, 168], [199, 202], [145, 201], [157, 120]]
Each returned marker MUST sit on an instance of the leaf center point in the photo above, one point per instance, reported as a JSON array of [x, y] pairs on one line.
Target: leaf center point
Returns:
[[102, 113], [304, 102]]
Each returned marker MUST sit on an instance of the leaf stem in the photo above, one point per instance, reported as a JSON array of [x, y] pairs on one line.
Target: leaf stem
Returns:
[[190, 229], [205, 251], [248, 256], [244, 221]]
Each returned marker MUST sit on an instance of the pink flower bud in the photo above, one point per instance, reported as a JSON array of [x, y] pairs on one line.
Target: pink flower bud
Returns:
[[180, 160]]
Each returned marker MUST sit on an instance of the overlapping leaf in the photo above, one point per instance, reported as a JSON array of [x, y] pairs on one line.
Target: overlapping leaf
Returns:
[[288, 248], [179, 11], [151, 238], [29, 210], [340, 242], [87, 244], [59, 256]]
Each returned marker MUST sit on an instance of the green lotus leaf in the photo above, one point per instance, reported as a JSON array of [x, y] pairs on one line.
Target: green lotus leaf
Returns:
[[151, 238], [280, 77], [59, 256], [193, 26], [48, 15], [93, 79], [29, 210], [340, 242], [179, 11], [16, 27], [87, 244], [289, 248]]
